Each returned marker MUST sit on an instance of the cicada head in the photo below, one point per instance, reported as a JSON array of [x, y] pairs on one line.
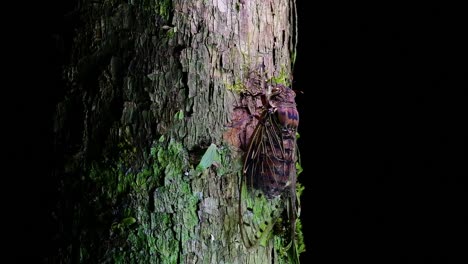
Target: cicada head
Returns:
[[282, 94]]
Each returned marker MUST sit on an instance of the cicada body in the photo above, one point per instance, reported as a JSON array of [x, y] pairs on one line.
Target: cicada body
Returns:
[[270, 168], [270, 161]]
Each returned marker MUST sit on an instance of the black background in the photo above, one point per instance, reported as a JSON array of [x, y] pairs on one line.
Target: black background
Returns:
[[382, 144]]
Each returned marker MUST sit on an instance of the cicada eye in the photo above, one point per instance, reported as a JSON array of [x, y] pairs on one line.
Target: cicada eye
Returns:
[[276, 90]]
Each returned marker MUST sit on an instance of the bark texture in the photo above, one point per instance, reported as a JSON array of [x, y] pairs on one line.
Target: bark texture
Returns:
[[146, 175]]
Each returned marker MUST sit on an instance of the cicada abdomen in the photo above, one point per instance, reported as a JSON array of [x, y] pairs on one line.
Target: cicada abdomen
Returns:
[[270, 168]]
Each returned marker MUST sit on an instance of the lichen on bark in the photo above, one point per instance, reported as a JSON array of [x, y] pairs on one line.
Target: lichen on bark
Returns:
[[146, 95]]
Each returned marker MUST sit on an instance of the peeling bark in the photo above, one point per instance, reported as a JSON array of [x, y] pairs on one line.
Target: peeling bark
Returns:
[[147, 93]]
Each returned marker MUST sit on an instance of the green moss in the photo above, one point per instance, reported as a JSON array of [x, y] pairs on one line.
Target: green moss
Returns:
[[174, 217], [259, 216], [160, 7], [171, 32], [146, 236], [281, 78], [299, 237], [236, 87], [240, 86], [289, 251], [165, 8], [143, 247]]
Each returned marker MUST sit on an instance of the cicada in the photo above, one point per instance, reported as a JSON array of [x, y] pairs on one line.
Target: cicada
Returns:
[[269, 170]]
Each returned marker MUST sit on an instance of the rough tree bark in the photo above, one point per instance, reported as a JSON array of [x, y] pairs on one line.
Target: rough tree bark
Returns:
[[149, 89]]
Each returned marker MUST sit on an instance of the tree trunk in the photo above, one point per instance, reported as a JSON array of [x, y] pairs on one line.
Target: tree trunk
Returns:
[[149, 92]]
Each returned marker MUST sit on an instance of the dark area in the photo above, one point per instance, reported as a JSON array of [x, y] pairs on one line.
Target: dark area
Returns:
[[382, 143], [34, 47]]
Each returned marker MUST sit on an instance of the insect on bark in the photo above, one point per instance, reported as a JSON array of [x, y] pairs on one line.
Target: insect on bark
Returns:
[[270, 166], [270, 161]]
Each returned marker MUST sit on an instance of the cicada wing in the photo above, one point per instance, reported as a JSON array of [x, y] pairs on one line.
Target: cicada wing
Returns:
[[271, 174], [268, 182], [252, 158], [258, 212]]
